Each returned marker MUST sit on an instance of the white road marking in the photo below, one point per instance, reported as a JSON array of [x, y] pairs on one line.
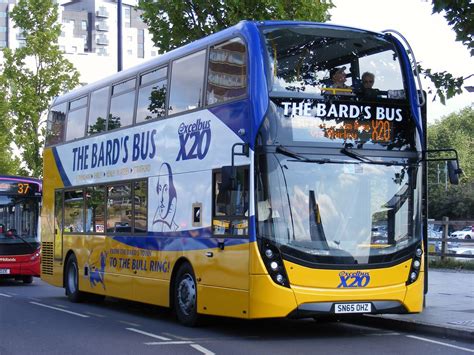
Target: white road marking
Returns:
[[4, 295], [441, 343], [147, 334], [172, 342], [95, 314], [61, 310], [176, 336], [168, 341], [129, 323], [202, 349]]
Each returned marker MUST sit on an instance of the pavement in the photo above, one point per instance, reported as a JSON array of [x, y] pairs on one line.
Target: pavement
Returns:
[[449, 310]]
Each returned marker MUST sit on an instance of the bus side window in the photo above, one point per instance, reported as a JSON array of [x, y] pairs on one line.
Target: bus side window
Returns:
[[76, 119], [152, 95], [74, 211], [119, 208], [56, 124], [230, 205], [227, 75], [187, 77], [122, 105], [140, 198], [95, 209], [98, 111]]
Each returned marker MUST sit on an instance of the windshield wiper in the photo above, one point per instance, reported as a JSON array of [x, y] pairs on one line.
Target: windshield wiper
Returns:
[[285, 151], [355, 155], [365, 159], [14, 235]]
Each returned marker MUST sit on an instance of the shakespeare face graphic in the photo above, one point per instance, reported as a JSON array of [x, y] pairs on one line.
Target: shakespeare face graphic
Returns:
[[166, 193]]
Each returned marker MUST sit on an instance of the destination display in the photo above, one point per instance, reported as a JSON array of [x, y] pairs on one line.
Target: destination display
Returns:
[[19, 188], [387, 124]]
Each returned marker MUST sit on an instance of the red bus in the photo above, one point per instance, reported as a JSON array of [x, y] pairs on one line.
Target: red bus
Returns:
[[20, 248]]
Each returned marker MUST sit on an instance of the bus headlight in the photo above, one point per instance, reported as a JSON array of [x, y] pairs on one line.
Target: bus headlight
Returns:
[[269, 253], [274, 263], [35, 256], [415, 265]]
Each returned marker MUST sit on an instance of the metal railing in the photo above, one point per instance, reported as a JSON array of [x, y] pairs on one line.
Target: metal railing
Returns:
[[445, 246]]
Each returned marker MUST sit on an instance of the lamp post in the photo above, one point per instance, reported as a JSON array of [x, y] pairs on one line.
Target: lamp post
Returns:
[[119, 35]]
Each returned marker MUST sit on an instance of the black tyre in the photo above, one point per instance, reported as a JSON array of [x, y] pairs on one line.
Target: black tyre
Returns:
[[27, 279], [72, 280], [185, 296]]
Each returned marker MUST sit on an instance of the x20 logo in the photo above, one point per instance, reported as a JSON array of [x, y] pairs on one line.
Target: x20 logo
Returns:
[[354, 279], [194, 140]]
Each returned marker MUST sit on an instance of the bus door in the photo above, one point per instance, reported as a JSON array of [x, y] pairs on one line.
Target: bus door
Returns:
[[58, 225], [227, 268]]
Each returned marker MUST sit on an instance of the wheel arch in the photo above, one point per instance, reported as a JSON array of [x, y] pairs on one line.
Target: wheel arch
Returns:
[[68, 255], [177, 265]]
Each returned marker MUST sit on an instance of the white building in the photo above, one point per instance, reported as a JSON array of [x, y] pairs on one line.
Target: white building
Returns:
[[89, 35]]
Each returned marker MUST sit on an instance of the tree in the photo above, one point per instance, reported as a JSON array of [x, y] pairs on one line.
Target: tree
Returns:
[[33, 75], [9, 165], [453, 131], [174, 23], [460, 15]]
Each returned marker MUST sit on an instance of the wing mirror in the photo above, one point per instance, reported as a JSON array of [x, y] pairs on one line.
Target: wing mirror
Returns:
[[452, 163]]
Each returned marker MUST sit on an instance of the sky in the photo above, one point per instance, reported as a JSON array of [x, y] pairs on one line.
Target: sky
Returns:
[[430, 37]]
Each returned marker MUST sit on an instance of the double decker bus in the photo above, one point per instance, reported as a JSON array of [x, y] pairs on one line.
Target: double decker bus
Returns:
[[233, 176], [20, 200]]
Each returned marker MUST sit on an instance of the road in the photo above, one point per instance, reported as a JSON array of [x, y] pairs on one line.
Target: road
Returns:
[[38, 319]]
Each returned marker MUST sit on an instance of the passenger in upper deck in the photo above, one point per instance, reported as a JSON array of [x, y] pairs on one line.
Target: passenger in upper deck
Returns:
[[338, 82], [368, 80]]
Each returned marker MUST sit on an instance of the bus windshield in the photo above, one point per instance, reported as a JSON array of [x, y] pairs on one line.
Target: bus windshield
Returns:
[[313, 61], [337, 87], [19, 214], [340, 212]]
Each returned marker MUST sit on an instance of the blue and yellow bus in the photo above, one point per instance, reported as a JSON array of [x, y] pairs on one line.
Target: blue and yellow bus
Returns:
[[273, 169]]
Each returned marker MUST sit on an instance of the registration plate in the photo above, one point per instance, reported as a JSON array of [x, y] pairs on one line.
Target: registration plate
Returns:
[[353, 308], [4, 271]]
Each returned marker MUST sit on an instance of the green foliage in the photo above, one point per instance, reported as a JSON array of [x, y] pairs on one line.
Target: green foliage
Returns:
[[446, 85], [460, 15], [457, 202], [453, 131], [9, 165], [33, 75], [174, 23], [451, 263]]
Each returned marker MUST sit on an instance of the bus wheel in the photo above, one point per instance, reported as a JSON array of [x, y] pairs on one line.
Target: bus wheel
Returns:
[[27, 279], [185, 296], [72, 280]]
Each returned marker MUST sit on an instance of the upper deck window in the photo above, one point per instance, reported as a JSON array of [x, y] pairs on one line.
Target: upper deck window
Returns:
[[227, 75], [76, 119], [187, 79], [122, 105], [311, 62], [152, 95], [98, 111], [56, 124]]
